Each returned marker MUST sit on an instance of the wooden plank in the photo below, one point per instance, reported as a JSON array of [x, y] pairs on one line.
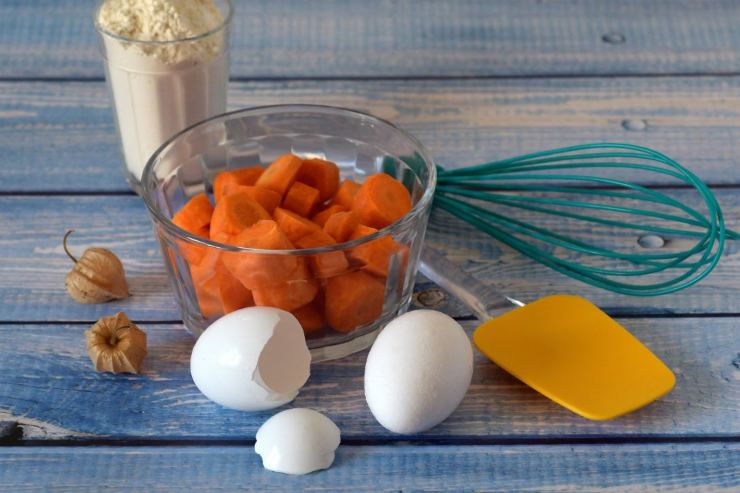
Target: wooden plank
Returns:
[[62, 137], [600, 468], [34, 254], [50, 390], [293, 38]]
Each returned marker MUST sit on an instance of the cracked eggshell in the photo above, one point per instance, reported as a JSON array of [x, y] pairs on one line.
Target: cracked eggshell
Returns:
[[251, 359], [297, 441], [418, 371]]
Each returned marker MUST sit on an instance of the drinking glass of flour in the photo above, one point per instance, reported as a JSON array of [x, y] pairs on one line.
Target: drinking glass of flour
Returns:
[[167, 68]]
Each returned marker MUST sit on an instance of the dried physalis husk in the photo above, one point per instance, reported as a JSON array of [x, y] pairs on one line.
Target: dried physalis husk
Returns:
[[115, 344], [97, 276]]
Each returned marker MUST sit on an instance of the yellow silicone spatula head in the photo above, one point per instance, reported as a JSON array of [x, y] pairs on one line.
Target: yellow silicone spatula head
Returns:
[[563, 346], [569, 350]]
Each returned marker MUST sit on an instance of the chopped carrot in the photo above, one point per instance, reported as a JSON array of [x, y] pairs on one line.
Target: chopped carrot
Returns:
[[321, 217], [236, 212], [341, 225], [352, 300], [205, 283], [255, 270], [294, 226], [281, 174], [381, 200], [232, 294], [311, 317], [374, 255], [265, 197], [326, 264], [288, 295], [301, 199], [195, 218], [345, 194], [233, 178], [320, 174]]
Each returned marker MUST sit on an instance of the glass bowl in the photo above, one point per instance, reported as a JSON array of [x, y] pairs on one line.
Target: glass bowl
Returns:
[[356, 291]]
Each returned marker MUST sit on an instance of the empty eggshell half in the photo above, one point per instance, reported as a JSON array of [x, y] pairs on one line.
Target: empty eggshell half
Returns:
[[251, 359], [297, 441]]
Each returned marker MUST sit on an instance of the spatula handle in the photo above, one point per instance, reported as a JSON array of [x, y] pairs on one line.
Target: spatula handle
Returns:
[[484, 301]]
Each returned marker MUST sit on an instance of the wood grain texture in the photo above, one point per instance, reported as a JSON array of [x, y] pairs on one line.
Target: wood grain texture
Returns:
[[33, 264], [62, 136], [600, 468], [294, 38], [50, 389]]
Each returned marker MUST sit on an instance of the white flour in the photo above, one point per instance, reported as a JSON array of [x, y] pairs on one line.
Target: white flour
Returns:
[[160, 88]]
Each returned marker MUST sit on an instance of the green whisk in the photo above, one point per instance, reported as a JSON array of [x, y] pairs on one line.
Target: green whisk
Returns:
[[568, 213]]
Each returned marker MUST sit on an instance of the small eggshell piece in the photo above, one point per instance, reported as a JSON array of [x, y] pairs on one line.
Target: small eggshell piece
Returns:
[[251, 359], [297, 441], [418, 371]]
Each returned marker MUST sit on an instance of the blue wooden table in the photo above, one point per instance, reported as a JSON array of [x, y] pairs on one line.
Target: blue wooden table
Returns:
[[474, 80]]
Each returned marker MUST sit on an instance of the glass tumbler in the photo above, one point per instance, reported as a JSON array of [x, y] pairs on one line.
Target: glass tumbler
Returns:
[[343, 293], [161, 87]]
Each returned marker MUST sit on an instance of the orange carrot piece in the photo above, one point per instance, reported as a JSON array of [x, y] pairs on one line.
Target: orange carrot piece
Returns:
[[288, 295], [281, 174], [232, 294], [294, 226], [205, 283], [195, 214], [311, 317], [321, 217], [226, 180], [323, 264], [265, 197], [381, 201], [301, 199], [345, 194], [195, 218], [341, 225], [256, 270], [321, 175], [374, 255], [353, 299], [236, 212]]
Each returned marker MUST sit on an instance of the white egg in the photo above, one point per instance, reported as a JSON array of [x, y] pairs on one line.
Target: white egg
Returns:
[[251, 359], [418, 371], [297, 441]]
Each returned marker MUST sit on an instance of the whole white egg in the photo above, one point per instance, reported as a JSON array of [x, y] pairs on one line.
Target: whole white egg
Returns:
[[418, 371], [251, 359], [297, 441]]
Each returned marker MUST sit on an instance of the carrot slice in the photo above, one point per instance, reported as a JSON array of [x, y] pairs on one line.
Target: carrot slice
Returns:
[[321, 217], [345, 194], [321, 175], [353, 299], [281, 174], [323, 264], [311, 317], [232, 294], [205, 283], [195, 218], [341, 225], [236, 212], [374, 255], [381, 201], [288, 295], [256, 270], [301, 199], [265, 197], [294, 226], [227, 180]]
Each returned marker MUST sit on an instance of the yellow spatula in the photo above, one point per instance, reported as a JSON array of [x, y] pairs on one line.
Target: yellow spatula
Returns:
[[563, 346]]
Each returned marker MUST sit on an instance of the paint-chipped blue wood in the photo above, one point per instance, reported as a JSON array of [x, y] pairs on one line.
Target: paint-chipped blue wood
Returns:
[[33, 264], [338, 38], [62, 136], [664, 468], [48, 386]]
